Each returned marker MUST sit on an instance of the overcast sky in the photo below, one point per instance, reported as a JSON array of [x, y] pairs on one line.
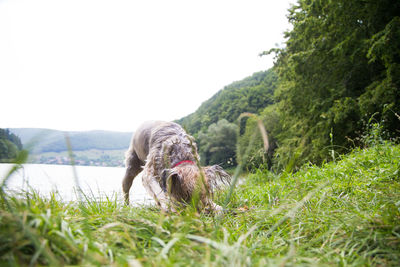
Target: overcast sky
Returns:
[[109, 65]]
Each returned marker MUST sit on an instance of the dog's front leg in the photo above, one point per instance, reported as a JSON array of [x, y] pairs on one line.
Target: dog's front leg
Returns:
[[154, 189], [215, 208], [133, 168]]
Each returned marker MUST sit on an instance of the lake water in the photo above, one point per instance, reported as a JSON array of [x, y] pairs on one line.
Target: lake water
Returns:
[[96, 182]]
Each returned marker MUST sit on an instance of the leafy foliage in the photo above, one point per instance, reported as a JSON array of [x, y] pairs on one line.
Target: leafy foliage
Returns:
[[218, 144], [257, 156], [10, 144], [210, 124], [340, 66]]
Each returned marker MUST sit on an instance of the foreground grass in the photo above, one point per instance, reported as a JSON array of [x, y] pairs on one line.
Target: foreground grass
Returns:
[[344, 213]]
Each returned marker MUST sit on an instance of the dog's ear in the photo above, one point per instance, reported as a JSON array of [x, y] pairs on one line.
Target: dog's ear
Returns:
[[216, 177], [169, 178], [164, 177]]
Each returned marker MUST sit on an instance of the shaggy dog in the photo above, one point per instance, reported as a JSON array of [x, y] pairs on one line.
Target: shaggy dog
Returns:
[[170, 163]]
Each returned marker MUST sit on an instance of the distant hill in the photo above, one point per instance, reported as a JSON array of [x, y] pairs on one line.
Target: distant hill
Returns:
[[251, 94], [47, 140]]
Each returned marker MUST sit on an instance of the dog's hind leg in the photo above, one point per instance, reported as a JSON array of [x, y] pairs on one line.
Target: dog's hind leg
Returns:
[[133, 168]]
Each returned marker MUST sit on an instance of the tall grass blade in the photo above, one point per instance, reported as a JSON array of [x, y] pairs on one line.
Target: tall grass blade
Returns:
[[21, 158], [72, 160], [261, 127], [291, 213], [239, 168], [168, 246]]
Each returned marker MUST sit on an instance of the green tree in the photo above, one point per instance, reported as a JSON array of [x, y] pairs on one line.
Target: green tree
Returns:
[[10, 144], [218, 144], [250, 148], [340, 65], [8, 150]]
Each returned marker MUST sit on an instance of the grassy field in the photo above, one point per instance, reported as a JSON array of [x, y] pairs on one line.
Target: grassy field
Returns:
[[345, 213]]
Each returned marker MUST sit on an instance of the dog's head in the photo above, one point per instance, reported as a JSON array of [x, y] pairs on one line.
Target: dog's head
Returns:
[[177, 148], [185, 181]]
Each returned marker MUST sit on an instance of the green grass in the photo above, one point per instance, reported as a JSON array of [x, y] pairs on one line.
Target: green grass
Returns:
[[341, 214]]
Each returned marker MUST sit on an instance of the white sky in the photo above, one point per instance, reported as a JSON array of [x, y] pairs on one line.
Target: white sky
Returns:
[[102, 64]]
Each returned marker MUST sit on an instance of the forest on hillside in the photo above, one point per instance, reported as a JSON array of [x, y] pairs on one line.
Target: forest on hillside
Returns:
[[251, 94], [213, 124], [336, 82], [10, 145]]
